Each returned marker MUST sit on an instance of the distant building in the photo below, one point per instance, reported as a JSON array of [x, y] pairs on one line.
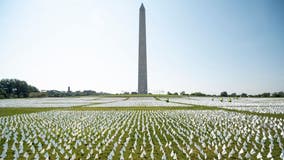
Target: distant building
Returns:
[[69, 90]]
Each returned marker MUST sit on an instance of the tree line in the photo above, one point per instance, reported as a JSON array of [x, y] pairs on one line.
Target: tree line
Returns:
[[266, 94], [226, 94], [13, 88]]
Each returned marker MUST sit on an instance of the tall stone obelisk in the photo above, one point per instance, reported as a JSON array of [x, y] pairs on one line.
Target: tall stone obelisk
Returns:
[[142, 59]]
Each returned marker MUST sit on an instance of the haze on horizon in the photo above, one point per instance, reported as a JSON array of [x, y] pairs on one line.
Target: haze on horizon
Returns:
[[206, 46]]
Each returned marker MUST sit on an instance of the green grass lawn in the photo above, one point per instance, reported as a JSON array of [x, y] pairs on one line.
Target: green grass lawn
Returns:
[[12, 111]]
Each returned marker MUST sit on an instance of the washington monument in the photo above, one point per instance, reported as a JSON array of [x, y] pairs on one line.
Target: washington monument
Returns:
[[142, 58]]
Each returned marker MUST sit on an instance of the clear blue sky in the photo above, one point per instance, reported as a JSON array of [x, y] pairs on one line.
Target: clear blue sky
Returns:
[[207, 46]]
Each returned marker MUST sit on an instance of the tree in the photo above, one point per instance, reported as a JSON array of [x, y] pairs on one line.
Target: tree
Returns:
[[198, 94], [88, 92], [32, 89], [182, 93], [37, 94], [14, 88], [233, 95], [265, 95], [278, 94], [224, 94], [2, 93], [244, 95], [54, 93]]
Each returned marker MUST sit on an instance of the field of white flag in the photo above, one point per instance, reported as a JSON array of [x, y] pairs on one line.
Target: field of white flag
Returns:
[[92, 131], [137, 101], [260, 105], [141, 134]]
